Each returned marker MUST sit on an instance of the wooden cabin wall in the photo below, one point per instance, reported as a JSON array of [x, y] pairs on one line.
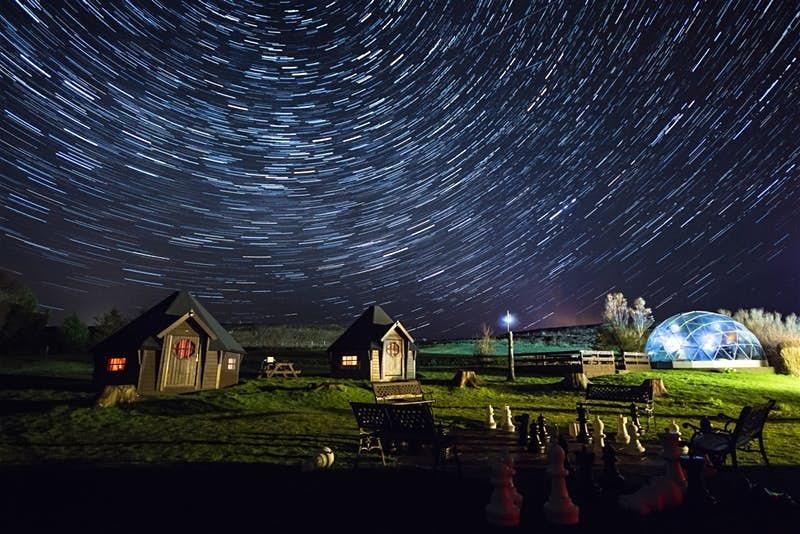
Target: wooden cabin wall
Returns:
[[411, 364], [209, 362], [229, 377], [147, 373], [375, 365]]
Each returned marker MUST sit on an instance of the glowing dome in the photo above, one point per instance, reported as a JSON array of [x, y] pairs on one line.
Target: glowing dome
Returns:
[[700, 335]]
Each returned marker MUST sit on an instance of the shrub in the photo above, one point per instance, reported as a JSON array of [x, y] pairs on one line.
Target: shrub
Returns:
[[624, 328], [774, 332], [484, 345]]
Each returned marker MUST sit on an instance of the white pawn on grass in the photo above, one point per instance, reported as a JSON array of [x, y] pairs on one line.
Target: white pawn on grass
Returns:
[[490, 422], [508, 422], [598, 436], [623, 437]]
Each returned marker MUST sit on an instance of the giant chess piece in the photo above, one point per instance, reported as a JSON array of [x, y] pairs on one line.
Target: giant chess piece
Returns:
[[505, 503], [544, 435], [508, 422], [697, 494], [598, 435], [522, 422], [559, 508], [490, 422], [634, 410], [535, 445], [634, 446], [583, 429], [664, 491], [623, 438], [611, 480], [586, 488]]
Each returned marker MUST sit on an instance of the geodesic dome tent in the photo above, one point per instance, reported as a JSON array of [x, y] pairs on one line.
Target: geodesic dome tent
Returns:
[[701, 335]]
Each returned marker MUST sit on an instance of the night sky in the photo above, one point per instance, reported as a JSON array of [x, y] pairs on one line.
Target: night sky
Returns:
[[447, 160]]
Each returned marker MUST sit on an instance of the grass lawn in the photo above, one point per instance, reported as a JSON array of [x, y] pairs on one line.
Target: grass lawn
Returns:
[[48, 413]]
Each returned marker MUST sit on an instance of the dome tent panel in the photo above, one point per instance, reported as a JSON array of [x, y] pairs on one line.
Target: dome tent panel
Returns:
[[702, 336]]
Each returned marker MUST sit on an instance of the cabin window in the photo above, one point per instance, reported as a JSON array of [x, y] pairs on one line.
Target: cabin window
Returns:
[[349, 360], [231, 364], [393, 349], [183, 349], [115, 365]]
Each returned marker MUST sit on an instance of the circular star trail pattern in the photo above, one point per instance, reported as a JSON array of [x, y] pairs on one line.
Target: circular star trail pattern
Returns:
[[299, 161]]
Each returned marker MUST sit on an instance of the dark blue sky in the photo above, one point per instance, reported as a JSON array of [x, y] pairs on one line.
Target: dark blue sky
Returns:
[[446, 160]]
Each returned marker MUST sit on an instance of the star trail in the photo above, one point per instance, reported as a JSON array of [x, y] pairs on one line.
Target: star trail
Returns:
[[295, 162]]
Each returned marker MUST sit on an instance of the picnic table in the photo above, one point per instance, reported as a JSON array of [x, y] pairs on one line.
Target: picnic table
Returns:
[[271, 367]]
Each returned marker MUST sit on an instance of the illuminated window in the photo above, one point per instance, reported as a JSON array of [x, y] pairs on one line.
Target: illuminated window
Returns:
[[349, 360], [183, 349], [115, 365], [231, 364]]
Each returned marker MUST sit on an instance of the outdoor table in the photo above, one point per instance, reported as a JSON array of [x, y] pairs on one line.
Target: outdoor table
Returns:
[[285, 369]]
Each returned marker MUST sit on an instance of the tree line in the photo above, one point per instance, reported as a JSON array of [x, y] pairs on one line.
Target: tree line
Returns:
[[24, 325]]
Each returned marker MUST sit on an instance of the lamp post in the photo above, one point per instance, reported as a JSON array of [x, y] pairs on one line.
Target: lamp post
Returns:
[[511, 377]]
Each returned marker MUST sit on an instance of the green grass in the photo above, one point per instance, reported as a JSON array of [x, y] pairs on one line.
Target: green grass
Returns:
[[48, 413]]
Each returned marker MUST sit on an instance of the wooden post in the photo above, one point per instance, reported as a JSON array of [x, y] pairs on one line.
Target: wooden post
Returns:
[[511, 375]]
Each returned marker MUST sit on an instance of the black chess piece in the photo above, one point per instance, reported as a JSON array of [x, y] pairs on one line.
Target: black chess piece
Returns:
[[570, 469], [635, 420], [583, 427], [521, 422], [586, 488], [544, 435], [697, 493], [611, 480], [535, 445]]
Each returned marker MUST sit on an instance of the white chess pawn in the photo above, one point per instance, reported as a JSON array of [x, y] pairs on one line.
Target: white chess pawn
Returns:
[[674, 428], [508, 422], [598, 437], [622, 430], [490, 422]]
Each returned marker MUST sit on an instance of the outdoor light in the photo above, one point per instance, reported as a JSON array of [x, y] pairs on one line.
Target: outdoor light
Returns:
[[508, 320]]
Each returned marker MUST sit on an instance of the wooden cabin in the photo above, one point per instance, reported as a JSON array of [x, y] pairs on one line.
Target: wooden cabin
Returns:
[[176, 346], [374, 347]]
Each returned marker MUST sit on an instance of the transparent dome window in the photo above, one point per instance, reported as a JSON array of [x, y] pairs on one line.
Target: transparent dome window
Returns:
[[700, 335]]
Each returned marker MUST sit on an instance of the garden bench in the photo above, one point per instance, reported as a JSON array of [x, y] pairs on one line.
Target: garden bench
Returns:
[[405, 425], [739, 433], [398, 391], [637, 399]]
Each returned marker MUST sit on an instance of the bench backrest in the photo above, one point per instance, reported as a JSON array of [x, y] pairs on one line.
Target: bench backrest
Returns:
[[398, 390], [751, 422], [414, 419], [370, 417], [621, 393]]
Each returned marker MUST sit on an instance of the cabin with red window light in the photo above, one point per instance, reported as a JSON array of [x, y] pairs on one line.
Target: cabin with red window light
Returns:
[[176, 346], [374, 347]]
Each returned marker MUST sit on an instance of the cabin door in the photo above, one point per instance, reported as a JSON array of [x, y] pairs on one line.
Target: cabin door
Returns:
[[182, 361], [393, 359]]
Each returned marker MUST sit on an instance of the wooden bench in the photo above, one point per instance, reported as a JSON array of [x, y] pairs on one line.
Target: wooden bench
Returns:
[[398, 391], [740, 433], [402, 427], [637, 399]]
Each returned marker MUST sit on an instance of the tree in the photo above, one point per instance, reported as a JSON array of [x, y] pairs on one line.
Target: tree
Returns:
[[21, 322], [74, 334], [484, 345], [107, 324], [624, 328]]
